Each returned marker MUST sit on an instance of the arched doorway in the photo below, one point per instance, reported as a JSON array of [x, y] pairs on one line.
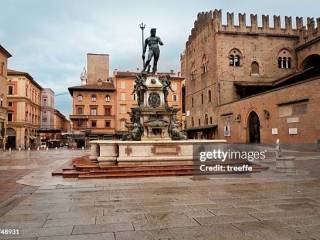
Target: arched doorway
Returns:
[[11, 138], [311, 61], [254, 127]]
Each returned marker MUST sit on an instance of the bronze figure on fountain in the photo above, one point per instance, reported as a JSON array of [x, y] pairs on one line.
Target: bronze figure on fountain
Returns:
[[140, 87], [153, 43], [166, 86]]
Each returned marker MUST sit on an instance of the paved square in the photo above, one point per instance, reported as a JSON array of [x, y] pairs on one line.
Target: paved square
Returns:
[[266, 205]]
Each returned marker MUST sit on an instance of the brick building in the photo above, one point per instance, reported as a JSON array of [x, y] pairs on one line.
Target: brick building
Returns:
[[101, 105], [24, 110], [4, 55], [243, 83], [93, 111]]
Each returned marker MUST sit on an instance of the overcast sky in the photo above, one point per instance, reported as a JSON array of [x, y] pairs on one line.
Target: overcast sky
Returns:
[[50, 39]]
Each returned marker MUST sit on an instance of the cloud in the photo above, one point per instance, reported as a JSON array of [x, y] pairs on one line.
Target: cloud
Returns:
[[50, 39]]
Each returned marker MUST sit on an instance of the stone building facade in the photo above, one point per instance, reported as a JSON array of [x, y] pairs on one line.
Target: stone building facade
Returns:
[[47, 109], [232, 69], [4, 55], [60, 122], [93, 102], [124, 83], [24, 110]]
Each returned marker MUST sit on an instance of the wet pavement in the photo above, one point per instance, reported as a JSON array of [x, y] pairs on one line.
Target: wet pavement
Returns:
[[267, 205]]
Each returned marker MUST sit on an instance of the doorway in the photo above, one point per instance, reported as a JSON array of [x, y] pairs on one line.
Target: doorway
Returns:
[[11, 138], [254, 127]]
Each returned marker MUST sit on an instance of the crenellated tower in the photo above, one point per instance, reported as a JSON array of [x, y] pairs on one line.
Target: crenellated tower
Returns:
[[221, 59]]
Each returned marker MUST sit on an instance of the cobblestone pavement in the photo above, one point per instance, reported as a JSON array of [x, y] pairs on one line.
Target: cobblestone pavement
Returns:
[[267, 205]]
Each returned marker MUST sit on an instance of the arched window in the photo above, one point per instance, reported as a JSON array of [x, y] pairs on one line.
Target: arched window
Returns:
[[204, 64], [209, 96], [192, 122], [284, 59], [206, 119], [235, 57], [201, 98], [80, 98], [191, 102], [108, 98], [255, 68], [93, 98]]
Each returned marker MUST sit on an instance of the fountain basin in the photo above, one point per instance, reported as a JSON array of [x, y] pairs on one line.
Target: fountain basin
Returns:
[[109, 152]]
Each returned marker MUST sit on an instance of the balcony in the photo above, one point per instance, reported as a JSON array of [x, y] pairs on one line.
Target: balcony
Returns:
[[86, 117], [79, 116]]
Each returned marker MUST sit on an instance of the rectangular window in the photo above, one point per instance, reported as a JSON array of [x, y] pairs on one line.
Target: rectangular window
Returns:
[[10, 104], [9, 117], [10, 90], [108, 124], [107, 111], [123, 84], [79, 110], [93, 111], [122, 96], [123, 109], [174, 86], [299, 109], [93, 124], [80, 122], [2, 68], [175, 98], [123, 124]]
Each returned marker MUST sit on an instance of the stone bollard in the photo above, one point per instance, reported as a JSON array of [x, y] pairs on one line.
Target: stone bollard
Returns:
[[10, 150], [19, 149], [29, 149], [286, 164], [82, 147], [278, 149], [38, 148]]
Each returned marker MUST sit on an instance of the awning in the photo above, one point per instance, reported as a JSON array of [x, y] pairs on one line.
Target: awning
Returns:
[[47, 130], [207, 127]]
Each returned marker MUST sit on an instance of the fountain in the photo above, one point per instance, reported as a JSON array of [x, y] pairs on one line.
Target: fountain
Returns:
[[154, 133]]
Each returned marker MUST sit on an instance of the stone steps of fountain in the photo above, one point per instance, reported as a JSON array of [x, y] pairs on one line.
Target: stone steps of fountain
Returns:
[[83, 168]]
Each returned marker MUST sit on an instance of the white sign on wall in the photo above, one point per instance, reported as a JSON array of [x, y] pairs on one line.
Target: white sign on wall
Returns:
[[292, 120], [293, 131], [274, 131]]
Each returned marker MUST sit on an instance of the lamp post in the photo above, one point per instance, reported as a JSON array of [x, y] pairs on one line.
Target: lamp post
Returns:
[[142, 27]]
